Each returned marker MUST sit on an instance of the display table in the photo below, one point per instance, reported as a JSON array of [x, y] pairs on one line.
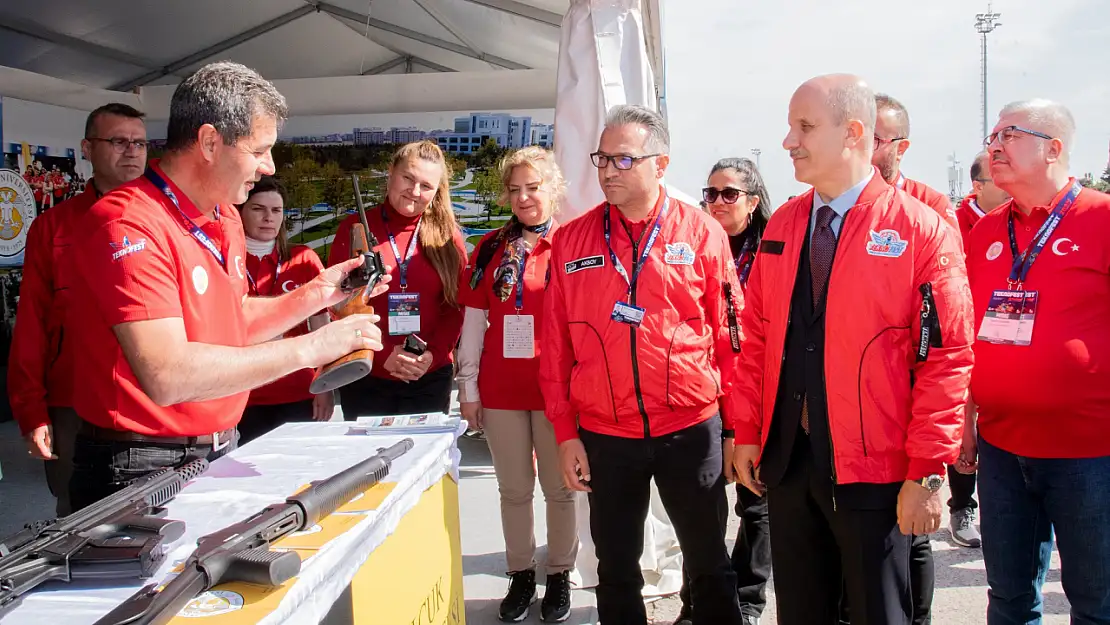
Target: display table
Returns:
[[390, 556]]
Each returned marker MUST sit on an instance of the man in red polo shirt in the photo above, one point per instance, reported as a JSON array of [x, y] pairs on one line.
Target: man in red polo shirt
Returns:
[[169, 343], [1040, 277], [892, 139], [985, 196], [40, 364]]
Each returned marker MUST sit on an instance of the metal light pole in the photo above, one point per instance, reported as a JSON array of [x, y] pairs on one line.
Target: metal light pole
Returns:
[[756, 152], [984, 24]]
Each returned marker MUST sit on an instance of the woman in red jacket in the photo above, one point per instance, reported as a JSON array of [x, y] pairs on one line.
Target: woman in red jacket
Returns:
[[737, 198], [499, 382], [273, 268], [421, 244]]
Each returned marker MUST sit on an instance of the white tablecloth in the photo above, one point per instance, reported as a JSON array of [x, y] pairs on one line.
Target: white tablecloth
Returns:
[[265, 471]]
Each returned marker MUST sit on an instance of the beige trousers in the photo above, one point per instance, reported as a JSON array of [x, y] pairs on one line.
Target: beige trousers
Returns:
[[512, 436]]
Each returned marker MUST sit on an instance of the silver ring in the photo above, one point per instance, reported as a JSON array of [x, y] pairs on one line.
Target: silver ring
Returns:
[[358, 334]]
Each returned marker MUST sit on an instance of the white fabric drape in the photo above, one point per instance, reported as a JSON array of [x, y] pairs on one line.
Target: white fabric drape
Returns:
[[604, 62]]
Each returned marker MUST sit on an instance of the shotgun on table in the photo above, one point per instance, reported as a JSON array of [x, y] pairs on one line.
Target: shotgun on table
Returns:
[[121, 536], [241, 552]]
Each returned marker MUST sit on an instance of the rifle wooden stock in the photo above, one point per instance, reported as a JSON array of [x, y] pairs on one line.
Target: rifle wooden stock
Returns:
[[356, 365]]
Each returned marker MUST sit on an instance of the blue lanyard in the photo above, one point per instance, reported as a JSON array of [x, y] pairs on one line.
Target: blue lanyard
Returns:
[[195, 230], [1023, 262], [273, 285], [520, 282], [743, 263], [655, 228], [402, 263]]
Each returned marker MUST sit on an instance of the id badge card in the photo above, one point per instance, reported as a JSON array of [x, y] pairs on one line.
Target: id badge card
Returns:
[[404, 313], [519, 336], [1009, 318], [627, 313]]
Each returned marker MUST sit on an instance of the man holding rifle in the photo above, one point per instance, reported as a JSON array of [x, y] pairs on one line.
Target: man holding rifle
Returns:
[[170, 343]]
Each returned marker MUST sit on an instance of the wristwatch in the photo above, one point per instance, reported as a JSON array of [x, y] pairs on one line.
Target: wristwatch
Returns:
[[932, 483], [727, 434]]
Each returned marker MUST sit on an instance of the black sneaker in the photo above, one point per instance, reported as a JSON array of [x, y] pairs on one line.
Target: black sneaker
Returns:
[[521, 595], [555, 607], [685, 616]]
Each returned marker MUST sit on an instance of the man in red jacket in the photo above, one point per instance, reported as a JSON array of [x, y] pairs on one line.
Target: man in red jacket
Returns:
[[985, 196], [638, 362], [40, 364], [1041, 380], [851, 435], [892, 139]]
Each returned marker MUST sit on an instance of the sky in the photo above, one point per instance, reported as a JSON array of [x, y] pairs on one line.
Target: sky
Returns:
[[737, 62]]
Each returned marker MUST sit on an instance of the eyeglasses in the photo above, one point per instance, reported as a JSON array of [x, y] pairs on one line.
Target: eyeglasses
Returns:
[[120, 145], [620, 161], [728, 195], [1009, 133], [879, 141]]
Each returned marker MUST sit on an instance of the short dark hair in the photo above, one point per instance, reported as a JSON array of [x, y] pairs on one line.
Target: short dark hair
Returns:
[[883, 102], [978, 165], [115, 108], [226, 95]]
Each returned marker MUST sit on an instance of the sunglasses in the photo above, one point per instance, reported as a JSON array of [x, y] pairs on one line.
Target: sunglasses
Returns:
[[728, 195]]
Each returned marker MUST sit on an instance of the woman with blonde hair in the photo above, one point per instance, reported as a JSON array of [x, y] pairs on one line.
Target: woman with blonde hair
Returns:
[[499, 382], [421, 244]]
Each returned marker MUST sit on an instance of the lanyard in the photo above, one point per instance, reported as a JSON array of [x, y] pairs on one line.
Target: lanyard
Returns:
[[744, 260], [520, 282], [900, 183], [402, 263], [655, 228], [1023, 262], [273, 285], [200, 235]]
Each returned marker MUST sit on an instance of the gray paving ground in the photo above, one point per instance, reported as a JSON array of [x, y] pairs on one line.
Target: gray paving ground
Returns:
[[961, 584]]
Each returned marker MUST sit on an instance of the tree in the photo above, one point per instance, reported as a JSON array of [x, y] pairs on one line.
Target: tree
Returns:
[[487, 186], [488, 155], [1101, 184], [300, 180]]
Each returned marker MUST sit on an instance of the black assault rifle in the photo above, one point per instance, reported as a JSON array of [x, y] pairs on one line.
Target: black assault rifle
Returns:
[[120, 536], [241, 552]]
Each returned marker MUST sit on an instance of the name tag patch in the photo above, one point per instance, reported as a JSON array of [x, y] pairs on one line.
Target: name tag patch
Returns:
[[886, 243], [679, 254], [589, 262], [772, 247]]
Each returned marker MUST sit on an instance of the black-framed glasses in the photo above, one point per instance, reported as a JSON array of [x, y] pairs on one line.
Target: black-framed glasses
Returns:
[[120, 145], [879, 141], [728, 195], [1009, 133], [620, 161]]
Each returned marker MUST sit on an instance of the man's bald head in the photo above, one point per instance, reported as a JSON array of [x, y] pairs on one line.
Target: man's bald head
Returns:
[[832, 130]]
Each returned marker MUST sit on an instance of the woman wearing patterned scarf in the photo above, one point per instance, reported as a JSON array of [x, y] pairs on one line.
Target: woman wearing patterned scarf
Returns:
[[499, 381]]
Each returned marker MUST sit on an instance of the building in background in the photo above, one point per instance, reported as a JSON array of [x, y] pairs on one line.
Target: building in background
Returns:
[[471, 132], [543, 135]]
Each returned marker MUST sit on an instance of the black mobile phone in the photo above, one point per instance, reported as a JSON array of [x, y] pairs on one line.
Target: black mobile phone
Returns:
[[415, 345]]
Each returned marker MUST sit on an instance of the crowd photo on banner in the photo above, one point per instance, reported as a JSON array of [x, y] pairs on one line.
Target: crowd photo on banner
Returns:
[[833, 371]]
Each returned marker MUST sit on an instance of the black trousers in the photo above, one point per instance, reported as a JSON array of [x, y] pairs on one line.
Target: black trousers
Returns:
[[687, 467], [374, 397], [102, 468], [751, 554], [260, 420], [922, 575], [824, 550]]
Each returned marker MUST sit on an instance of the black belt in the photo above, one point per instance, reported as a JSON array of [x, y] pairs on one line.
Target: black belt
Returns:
[[217, 440]]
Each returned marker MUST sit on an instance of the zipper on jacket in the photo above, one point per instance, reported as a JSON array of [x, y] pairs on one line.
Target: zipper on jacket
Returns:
[[930, 323], [632, 340]]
